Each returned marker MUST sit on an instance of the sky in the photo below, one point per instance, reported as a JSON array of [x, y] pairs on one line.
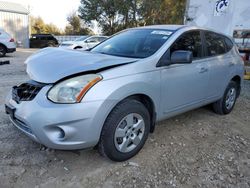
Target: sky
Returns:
[[51, 11]]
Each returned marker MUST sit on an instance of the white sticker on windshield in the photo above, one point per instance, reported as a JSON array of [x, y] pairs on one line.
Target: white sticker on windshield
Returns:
[[161, 32]]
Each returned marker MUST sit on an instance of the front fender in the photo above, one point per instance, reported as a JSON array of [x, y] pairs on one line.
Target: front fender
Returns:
[[117, 89], [112, 91]]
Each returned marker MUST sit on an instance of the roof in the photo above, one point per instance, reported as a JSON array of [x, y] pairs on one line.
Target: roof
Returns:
[[167, 27], [13, 7]]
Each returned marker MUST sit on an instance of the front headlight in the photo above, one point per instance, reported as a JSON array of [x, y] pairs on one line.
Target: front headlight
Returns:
[[73, 89]]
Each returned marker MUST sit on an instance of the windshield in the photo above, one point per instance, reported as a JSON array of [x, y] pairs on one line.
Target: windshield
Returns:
[[135, 43], [81, 38]]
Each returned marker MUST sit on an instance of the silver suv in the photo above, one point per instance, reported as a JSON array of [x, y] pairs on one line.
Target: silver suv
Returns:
[[112, 96]]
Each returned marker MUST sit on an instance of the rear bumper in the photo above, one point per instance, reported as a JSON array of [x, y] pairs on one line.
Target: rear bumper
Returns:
[[11, 50]]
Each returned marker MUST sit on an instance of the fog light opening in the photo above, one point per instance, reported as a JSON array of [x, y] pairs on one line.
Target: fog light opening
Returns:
[[61, 133]]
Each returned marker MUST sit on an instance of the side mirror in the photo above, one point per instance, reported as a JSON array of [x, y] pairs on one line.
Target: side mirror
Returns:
[[181, 57]]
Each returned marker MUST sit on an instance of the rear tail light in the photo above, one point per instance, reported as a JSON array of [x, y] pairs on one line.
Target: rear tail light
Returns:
[[12, 40]]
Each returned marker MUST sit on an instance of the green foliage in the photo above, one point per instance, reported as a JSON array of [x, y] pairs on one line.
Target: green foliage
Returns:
[[104, 12], [38, 26], [76, 26], [115, 15], [163, 11]]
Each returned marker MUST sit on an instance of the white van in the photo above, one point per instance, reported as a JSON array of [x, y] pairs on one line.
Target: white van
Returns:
[[7, 43]]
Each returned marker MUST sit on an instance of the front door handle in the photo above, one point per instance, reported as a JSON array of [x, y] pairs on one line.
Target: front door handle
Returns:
[[203, 69]]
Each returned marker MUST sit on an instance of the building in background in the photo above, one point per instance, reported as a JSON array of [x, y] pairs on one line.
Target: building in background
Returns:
[[14, 19], [227, 16], [230, 17]]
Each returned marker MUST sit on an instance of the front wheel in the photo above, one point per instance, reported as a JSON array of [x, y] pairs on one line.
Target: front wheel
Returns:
[[226, 103], [125, 131]]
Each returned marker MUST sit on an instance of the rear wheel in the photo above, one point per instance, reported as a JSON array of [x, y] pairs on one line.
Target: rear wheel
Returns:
[[226, 103], [3, 51], [51, 44], [125, 131]]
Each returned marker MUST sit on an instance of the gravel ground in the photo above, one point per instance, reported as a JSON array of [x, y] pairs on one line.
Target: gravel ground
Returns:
[[195, 149]]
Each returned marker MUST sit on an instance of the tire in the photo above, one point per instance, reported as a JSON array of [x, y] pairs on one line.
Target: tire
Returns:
[[3, 50], [120, 140], [51, 45], [226, 104]]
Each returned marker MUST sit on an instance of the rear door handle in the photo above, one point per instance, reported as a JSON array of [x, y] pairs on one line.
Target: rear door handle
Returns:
[[203, 69]]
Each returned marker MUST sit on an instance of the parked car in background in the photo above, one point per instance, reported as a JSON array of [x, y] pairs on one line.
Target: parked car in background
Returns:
[[112, 95], [83, 43], [42, 41], [7, 43]]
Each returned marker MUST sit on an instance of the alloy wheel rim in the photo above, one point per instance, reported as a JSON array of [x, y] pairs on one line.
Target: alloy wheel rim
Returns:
[[230, 98], [129, 133]]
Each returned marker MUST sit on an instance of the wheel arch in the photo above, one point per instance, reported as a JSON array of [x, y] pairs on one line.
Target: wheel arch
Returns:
[[111, 92], [146, 100], [149, 104], [237, 80], [5, 49], [3, 45]]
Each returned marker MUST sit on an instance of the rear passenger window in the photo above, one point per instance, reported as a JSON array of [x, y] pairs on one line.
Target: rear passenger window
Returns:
[[215, 44], [190, 41]]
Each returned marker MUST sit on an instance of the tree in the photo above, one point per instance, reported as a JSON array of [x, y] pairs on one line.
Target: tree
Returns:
[[76, 26], [53, 29], [104, 12], [38, 26], [115, 15], [112, 15], [163, 11]]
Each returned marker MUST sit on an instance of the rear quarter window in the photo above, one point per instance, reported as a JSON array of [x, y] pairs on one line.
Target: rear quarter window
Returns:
[[215, 44]]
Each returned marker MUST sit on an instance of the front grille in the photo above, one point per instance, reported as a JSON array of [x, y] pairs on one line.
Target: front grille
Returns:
[[26, 91]]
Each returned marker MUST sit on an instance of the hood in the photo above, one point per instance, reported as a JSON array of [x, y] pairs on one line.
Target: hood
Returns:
[[52, 64]]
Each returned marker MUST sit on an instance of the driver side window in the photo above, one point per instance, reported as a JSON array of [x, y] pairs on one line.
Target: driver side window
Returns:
[[190, 41]]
